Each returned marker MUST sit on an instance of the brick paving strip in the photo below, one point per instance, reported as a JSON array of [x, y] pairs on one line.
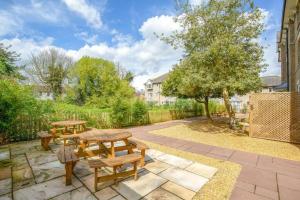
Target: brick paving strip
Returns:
[[261, 178]]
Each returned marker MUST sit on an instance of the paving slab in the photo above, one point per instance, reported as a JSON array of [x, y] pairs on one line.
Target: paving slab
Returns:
[[174, 160], [22, 178], [184, 178], [19, 162], [5, 186], [4, 154], [202, 170], [48, 171], [89, 182], [178, 190], [156, 166], [244, 158], [82, 168], [266, 193], [40, 157], [288, 194], [134, 190], [245, 186], [24, 147], [151, 154], [119, 197], [161, 194], [239, 194], [6, 197], [78, 194], [44, 190], [106, 194], [289, 182]]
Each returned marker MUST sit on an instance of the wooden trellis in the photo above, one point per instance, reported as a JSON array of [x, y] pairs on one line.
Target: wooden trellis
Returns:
[[275, 116]]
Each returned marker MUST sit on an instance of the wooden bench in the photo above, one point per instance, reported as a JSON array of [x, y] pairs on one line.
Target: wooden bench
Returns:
[[114, 163], [45, 139], [140, 146], [67, 156]]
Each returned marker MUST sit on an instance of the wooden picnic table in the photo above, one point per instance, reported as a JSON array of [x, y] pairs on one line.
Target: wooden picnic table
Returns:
[[104, 136], [67, 124]]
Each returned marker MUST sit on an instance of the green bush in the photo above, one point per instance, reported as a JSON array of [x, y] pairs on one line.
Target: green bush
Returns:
[[120, 112], [139, 112]]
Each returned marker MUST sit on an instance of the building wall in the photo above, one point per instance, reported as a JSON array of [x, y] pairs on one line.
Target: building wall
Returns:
[[289, 47], [153, 94]]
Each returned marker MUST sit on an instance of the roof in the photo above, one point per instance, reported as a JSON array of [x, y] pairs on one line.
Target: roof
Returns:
[[271, 81], [160, 79]]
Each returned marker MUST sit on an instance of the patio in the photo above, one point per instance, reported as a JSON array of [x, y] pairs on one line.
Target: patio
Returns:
[[28, 172]]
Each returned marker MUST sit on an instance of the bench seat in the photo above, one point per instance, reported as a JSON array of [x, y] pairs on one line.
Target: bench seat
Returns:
[[140, 146], [45, 139], [67, 156], [115, 163]]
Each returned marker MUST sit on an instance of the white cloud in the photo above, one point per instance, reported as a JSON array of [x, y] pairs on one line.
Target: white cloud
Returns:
[[146, 58], [89, 39], [88, 12], [10, 24]]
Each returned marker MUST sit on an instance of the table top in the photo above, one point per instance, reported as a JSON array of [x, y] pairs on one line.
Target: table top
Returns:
[[106, 135], [68, 123]]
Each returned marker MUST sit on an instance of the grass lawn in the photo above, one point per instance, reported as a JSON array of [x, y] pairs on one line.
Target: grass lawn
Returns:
[[217, 133], [221, 185]]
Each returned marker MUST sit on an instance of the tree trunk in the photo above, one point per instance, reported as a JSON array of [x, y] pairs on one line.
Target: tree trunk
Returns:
[[206, 101], [229, 108]]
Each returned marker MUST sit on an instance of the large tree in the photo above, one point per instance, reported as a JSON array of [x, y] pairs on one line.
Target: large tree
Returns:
[[8, 59], [97, 81], [49, 68], [221, 38]]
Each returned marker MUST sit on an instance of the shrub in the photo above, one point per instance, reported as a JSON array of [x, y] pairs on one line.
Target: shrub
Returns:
[[120, 112], [139, 112]]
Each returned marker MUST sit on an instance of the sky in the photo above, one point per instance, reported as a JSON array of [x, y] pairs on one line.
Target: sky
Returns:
[[118, 30]]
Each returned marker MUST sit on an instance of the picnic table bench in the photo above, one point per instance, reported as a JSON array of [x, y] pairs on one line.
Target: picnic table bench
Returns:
[[68, 157], [140, 146], [45, 139], [114, 163]]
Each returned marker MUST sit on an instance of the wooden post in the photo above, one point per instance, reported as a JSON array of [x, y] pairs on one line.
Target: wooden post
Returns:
[[112, 150], [142, 162], [69, 169], [135, 170], [96, 179]]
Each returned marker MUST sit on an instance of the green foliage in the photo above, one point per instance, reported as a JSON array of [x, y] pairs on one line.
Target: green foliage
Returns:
[[139, 112], [120, 112], [222, 53], [8, 59], [96, 82], [17, 100]]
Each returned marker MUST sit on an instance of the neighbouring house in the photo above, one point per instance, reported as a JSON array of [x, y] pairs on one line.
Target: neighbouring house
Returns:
[[288, 43], [269, 84], [43, 92], [153, 91]]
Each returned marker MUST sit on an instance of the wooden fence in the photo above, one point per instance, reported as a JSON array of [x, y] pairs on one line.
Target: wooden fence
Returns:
[[26, 127], [275, 116]]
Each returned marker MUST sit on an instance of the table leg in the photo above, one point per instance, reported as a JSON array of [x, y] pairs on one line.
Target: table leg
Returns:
[[112, 150], [128, 144], [74, 130]]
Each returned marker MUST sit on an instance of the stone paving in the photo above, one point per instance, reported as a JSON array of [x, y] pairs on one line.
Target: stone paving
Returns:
[[34, 174], [262, 177]]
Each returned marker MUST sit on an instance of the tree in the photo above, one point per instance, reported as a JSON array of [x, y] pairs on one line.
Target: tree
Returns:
[[8, 59], [188, 80], [96, 81], [50, 69], [220, 40]]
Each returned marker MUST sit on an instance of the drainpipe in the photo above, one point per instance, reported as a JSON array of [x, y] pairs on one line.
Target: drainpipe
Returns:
[[287, 59]]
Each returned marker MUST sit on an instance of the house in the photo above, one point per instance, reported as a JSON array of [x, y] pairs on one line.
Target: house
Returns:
[[288, 43], [153, 91], [269, 84]]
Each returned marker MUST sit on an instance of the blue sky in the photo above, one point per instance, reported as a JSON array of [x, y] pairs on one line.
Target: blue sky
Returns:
[[118, 30]]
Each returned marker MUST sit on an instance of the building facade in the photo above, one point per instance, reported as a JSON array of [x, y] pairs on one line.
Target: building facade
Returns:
[[289, 46], [153, 91]]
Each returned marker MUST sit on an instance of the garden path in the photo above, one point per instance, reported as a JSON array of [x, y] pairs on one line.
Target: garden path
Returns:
[[262, 177]]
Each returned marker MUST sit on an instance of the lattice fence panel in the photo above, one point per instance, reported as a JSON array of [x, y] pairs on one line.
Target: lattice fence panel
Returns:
[[275, 116]]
